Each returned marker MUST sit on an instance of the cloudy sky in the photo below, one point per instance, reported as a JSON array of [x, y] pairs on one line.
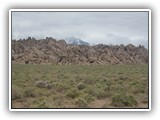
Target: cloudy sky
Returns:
[[92, 27]]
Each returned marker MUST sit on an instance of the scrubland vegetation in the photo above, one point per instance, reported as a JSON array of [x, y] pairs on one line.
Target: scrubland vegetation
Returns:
[[79, 86]]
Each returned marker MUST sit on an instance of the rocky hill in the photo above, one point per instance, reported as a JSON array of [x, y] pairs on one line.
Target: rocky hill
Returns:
[[51, 51]]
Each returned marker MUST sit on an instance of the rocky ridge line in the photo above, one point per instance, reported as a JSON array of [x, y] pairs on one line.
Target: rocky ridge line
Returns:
[[52, 51]]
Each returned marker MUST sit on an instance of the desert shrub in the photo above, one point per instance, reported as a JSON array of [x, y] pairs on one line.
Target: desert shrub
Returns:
[[81, 86], [135, 90], [134, 83], [107, 88], [43, 105], [89, 81], [88, 98], [40, 102], [29, 93], [122, 100], [43, 84], [72, 93], [123, 78], [81, 102], [62, 87], [90, 91], [16, 93], [102, 94], [40, 105], [138, 88], [104, 79]]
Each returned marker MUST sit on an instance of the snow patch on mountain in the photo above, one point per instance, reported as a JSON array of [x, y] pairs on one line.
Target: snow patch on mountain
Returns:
[[75, 41]]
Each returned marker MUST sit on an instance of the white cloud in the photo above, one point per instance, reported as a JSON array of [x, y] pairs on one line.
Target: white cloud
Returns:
[[93, 27]]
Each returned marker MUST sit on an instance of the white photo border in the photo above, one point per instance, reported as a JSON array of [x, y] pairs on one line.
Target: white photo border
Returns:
[[80, 10]]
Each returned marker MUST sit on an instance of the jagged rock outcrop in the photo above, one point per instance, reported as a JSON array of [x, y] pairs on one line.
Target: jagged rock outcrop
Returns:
[[51, 51]]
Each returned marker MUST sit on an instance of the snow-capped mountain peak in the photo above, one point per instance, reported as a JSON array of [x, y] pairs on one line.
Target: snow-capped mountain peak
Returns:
[[75, 41]]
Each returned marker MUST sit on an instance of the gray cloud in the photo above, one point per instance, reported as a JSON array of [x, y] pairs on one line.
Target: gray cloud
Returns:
[[93, 27]]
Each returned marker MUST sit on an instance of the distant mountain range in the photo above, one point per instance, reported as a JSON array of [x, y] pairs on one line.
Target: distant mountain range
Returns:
[[75, 41], [52, 51]]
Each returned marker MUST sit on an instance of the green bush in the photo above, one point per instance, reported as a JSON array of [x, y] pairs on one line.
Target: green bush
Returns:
[[62, 87], [89, 81], [16, 93], [102, 94], [81, 86], [72, 93], [90, 91], [123, 78], [42, 105], [81, 102], [88, 98], [29, 93], [122, 100]]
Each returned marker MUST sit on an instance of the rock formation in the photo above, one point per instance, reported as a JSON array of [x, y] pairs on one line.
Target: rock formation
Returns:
[[52, 51]]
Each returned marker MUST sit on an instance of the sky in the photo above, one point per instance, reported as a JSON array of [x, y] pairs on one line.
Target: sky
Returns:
[[112, 28]]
